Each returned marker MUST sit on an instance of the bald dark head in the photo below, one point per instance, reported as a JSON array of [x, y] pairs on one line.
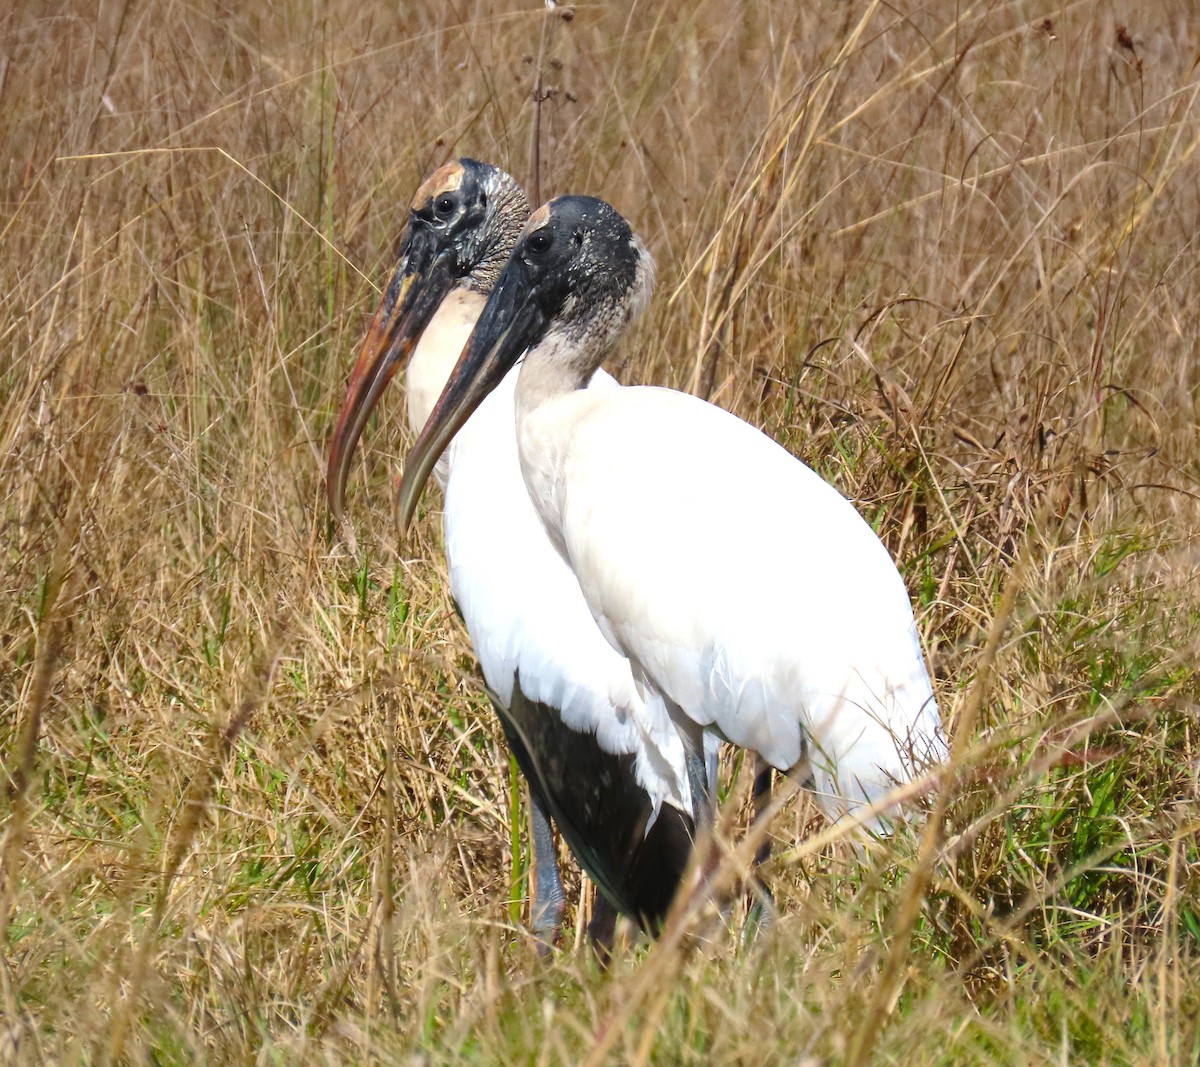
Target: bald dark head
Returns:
[[472, 212], [462, 225], [582, 260]]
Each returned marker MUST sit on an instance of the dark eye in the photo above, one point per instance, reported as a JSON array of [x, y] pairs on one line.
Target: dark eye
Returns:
[[444, 206], [539, 243]]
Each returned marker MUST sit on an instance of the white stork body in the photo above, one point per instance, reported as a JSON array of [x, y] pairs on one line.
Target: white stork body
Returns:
[[740, 585], [543, 658]]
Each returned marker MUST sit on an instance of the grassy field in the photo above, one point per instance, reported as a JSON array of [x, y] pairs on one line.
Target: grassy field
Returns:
[[255, 807]]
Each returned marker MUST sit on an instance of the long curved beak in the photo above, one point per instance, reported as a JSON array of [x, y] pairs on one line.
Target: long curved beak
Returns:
[[420, 283], [511, 322]]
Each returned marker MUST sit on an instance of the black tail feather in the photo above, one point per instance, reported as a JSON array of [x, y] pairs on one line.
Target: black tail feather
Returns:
[[601, 810]]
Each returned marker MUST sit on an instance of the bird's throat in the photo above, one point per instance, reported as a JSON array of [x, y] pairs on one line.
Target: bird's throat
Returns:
[[438, 350]]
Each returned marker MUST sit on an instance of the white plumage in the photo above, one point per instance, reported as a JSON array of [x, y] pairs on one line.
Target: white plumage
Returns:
[[741, 586]]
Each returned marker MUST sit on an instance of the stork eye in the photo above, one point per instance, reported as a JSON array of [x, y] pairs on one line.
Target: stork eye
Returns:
[[539, 243], [444, 206]]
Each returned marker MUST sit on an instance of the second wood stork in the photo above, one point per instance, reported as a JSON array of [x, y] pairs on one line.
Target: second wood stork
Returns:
[[606, 763], [744, 590]]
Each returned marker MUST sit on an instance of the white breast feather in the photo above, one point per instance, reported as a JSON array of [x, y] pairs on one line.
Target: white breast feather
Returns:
[[434, 358]]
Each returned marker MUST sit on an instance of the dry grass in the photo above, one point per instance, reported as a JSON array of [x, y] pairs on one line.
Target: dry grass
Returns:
[[255, 807]]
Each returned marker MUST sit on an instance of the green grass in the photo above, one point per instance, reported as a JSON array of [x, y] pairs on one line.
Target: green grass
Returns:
[[255, 807]]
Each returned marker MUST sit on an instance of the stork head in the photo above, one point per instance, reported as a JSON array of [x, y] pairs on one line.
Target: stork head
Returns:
[[463, 223], [576, 278]]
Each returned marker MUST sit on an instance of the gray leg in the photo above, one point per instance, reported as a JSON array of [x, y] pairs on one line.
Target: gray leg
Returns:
[[603, 927], [762, 910], [548, 900], [701, 777], [763, 907], [702, 785], [703, 798], [704, 804]]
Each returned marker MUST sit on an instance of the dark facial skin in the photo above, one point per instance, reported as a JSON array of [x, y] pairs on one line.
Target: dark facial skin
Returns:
[[464, 220]]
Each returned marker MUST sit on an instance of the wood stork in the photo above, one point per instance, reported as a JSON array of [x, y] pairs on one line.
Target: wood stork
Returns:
[[744, 591], [604, 762]]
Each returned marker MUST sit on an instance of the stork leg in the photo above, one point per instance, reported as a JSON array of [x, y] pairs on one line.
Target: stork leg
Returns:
[[703, 793], [548, 898], [704, 804], [762, 910], [602, 929]]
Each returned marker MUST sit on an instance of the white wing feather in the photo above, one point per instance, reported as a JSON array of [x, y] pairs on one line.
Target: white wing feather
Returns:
[[751, 592]]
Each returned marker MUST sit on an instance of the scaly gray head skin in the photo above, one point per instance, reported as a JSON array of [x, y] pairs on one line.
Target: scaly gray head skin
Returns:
[[578, 272], [587, 273], [464, 221], [479, 210]]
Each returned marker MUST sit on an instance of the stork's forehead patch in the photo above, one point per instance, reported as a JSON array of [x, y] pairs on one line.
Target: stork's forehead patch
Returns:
[[446, 179]]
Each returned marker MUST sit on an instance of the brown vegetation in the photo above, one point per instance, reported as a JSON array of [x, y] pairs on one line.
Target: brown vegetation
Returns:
[[255, 807]]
